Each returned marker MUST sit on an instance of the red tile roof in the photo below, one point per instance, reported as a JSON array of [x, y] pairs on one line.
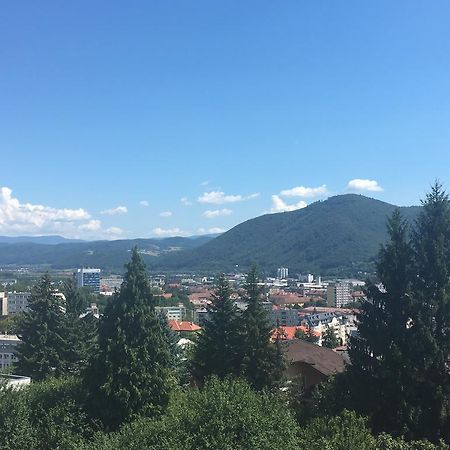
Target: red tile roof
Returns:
[[175, 325], [288, 333]]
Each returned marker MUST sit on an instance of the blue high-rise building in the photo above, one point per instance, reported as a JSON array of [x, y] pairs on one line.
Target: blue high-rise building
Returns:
[[88, 278]]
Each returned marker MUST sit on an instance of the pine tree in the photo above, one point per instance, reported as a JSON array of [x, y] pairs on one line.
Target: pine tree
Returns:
[[42, 351], [81, 329], [130, 374], [330, 339], [217, 349], [262, 363], [430, 326], [380, 377]]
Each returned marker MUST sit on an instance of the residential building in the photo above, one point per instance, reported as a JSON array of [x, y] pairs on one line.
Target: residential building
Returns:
[[88, 277], [173, 312], [311, 363], [339, 294], [17, 302], [183, 326], [283, 272], [285, 317], [3, 304], [8, 344]]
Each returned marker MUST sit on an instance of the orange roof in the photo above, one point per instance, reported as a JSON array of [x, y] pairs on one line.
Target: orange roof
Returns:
[[288, 333], [175, 325]]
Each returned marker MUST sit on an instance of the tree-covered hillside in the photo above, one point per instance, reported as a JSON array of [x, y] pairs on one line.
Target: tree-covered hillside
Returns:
[[338, 235]]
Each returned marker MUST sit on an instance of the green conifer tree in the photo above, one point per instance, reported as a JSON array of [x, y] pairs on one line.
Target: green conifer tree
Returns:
[[262, 362], [430, 327], [130, 374], [42, 351], [329, 338], [380, 378], [81, 330], [217, 349]]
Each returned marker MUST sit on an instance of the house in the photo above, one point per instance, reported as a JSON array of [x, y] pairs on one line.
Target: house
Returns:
[[183, 326], [288, 333], [314, 364]]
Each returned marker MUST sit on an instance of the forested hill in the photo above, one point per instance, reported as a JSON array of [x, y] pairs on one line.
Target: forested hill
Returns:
[[339, 235], [109, 255]]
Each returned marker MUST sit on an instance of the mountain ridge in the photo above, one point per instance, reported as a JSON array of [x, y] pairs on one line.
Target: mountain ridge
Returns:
[[339, 235]]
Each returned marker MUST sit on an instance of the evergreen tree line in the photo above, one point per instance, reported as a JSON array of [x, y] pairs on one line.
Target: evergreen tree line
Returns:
[[238, 343], [129, 362], [400, 358]]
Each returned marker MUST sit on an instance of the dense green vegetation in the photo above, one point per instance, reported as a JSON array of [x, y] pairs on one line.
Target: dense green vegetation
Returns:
[[399, 376]]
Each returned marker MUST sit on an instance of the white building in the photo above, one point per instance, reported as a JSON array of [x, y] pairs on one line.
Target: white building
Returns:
[[282, 273], [8, 344], [339, 294], [173, 312], [3, 304], [18, 302]]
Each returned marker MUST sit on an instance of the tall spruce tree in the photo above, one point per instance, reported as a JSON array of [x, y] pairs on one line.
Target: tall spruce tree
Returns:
[[81, 328], [262, 361], [380, 377], [130, 374], [217, 349], [430, 326], [42, 351]]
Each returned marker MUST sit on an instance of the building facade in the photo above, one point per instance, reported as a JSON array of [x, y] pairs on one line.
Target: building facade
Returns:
[[8, 344], [17, 302], [339, 294], [88, 278]]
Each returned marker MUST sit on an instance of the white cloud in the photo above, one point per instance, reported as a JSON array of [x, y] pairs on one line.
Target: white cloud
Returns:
[[115, 211], [214, 230], [27, 218], [169, 232], [306, 192], [219, 197], [144, 203], [92, 225], [114, 231], [166, 214], [209, 214], [185, 201], [279, 205], [204, 183], [359, 185]]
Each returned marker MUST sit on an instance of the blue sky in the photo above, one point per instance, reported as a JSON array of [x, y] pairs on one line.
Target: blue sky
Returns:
[[227, 105]]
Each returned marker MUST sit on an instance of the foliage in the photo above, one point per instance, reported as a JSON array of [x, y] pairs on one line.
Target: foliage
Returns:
[[81, 332], [330, 339], [348, 431], [225, 415], [42, 351], [404, 343], [262, 361], [10, 324], [217, 348], [48, 414], [130, 373]]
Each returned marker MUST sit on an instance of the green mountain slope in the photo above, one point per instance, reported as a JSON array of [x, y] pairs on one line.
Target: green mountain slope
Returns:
[[109, 255], [338, 235]]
